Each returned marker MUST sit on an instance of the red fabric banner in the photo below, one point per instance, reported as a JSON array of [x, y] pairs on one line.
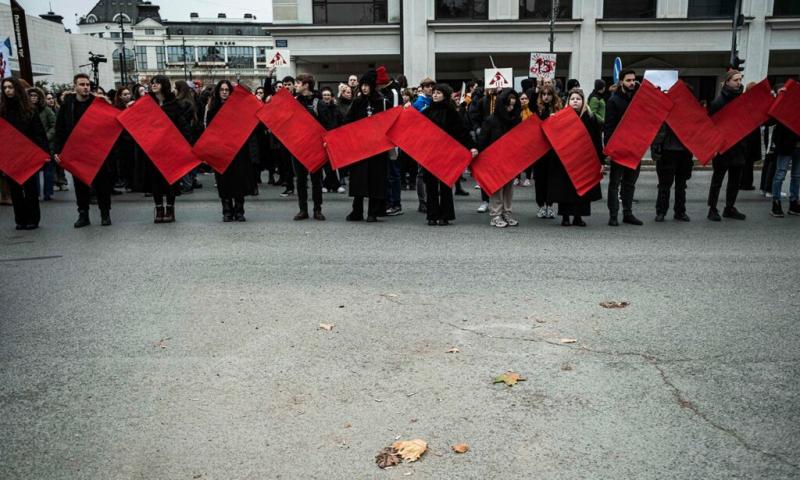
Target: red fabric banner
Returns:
[[747, 112], [430, 146], [361, 139], [786, 108], [21, 158], [159, 138], [91, 141], [574, 147], [692, 125], [296, 128], [509, 155], [639, 126], [229, 130]]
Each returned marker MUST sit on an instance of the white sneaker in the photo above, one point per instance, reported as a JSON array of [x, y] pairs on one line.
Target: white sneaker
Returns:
[[341, 190], [498, 222], [516, 182], [324, 190], [768, 195], [550, 212], [542, 212], [510, 221], [526, 183], [483, 207], [477, 187]]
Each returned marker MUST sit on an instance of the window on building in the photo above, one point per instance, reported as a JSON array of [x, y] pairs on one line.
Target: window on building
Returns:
[[786, 8], [129, 58], [462, 9], [149, 31], [175, 54], [240, 57], [711, 8], [210, 54], [114, 34], [160, 64], [141, 58], [128, 35], [210, 31], [349, 12], [629, 8], [542, 8]]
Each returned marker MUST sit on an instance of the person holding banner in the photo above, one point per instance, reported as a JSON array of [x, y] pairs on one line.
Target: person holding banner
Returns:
[[673, 165], [48, 118], [731, 161], [787, 151], [504, 116], [16, 109], [304, 92], [73, 106], [547, 104]]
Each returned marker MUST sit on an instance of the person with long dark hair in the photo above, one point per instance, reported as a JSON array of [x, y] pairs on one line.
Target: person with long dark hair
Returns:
[[503, 115], [238, 181], [48, 118], [16, 109]]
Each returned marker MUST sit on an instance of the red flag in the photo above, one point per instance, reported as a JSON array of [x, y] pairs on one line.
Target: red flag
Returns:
[[740, 117], [159, 138], [509, 155], [21, 158], [430, 146], [229, 130], [639, 126], [574, 147], [690, 122], [786, 108], [361, 139], [91, 141], [296, 128]]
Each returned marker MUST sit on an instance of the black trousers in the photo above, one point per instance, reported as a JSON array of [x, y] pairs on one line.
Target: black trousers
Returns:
[[25, 198], [302, 186], [721, 167], [541, 174], [439, 199], [285, 167], [746, 180], [375, 208], [768, 171], [626, 178], [673, 167], [102, 187]]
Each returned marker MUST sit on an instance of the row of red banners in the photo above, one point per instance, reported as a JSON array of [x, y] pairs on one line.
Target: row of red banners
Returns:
[[97, 131]]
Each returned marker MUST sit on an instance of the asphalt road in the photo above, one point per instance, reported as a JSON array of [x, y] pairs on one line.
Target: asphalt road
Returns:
[[193, 350]]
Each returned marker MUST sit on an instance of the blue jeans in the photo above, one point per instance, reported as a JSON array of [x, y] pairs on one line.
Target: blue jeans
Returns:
[[394, 184], [49, 174], [780, 174]]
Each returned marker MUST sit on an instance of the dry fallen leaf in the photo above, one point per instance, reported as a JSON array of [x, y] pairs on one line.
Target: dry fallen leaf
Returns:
[[569, 340], [453, 350], [410, 450], [387, 457], [326, 326], [162, 343], [566, 367], [509, 378], [614, 304], [460, 448]]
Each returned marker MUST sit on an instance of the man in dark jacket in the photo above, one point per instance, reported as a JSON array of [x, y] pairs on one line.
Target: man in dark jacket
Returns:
[[787, 151], [304, 92], [620, 175], [673, 165], [732, 161], [72, 109]]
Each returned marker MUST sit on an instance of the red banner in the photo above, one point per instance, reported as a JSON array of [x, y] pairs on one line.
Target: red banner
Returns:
[[575, 149], [229, 129], [435, 150], [786, 108], [740, 117], [361, 139], [91, 141], [692, 125], [512, 153], [21, 158], [159, 138], [639, 126], [296, 128]]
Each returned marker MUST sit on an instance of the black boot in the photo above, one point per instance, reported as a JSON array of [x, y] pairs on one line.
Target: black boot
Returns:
[[777, 209], [794, 208], [169, 214], [105, 218], [83, 219], [158, 214], [731, 212], [227, 210], [238, 210]]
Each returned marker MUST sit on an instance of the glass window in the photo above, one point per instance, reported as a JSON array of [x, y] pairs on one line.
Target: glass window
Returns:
[[175, 54], [462, 9], [629, 8], [261, 55], [160, 58], [141, 58], [210, 54], [129, 60], [349, 12], [149, 31], [711, 8], [786, 8], [541, 9], [114, 34], [240, 57]]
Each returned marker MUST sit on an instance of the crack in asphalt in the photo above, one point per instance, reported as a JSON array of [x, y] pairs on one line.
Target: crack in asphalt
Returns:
[[653, 361]]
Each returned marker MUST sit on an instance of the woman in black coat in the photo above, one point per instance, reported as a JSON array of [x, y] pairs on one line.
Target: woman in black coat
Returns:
[[239, 179], [16, 109], [560, 187], [547, 103], [368, 177], [439, 195]]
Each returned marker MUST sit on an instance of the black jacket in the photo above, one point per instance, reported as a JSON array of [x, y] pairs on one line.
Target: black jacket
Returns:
[[785, 140], [615, 109], [68, 117], [501, 120], [446, 117], [31, 127], [737, 154]]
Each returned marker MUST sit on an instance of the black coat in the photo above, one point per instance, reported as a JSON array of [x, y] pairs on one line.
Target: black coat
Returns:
[[737, 154], [239, 179], [446, 117], [31, 127], [368, 177], [615, 109], [785, 140], [500, 121], [154, 181], [560, 188]]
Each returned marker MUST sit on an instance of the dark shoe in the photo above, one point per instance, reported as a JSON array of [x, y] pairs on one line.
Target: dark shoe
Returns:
[[794, 208], [565, 222], [371, 219], [613, 222], [352, 217], [660, 217], [444, 223], [748, 188], [681, 217], [114, 191], [713, 215], [462, 193], [731, 212], [227, 217], [287, 192], [83, 219], [432, 223], [777, 209], [631, 220], [32, 226], [239, 217], [169, 214], [578, 222], [105, 218], [301, 215], [319, 216], [158, 214], [394, 211], [238, 210], [422, 208]]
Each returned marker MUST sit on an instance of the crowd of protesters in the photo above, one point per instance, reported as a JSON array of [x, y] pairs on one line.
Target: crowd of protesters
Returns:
[[475, 117]]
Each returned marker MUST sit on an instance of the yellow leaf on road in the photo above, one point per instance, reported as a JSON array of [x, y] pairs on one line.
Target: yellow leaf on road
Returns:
[[453, 350], [410, 450], [569, 340], [460, 448], [509, 378], [326, 326]]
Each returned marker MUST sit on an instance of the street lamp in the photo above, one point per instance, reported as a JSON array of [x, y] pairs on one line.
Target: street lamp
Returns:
[[122, 66], [553, 13]]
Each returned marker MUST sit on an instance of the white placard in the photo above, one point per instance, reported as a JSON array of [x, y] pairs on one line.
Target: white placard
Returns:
[[543, 65], [278, 58], [663, 79], [498, 78]]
